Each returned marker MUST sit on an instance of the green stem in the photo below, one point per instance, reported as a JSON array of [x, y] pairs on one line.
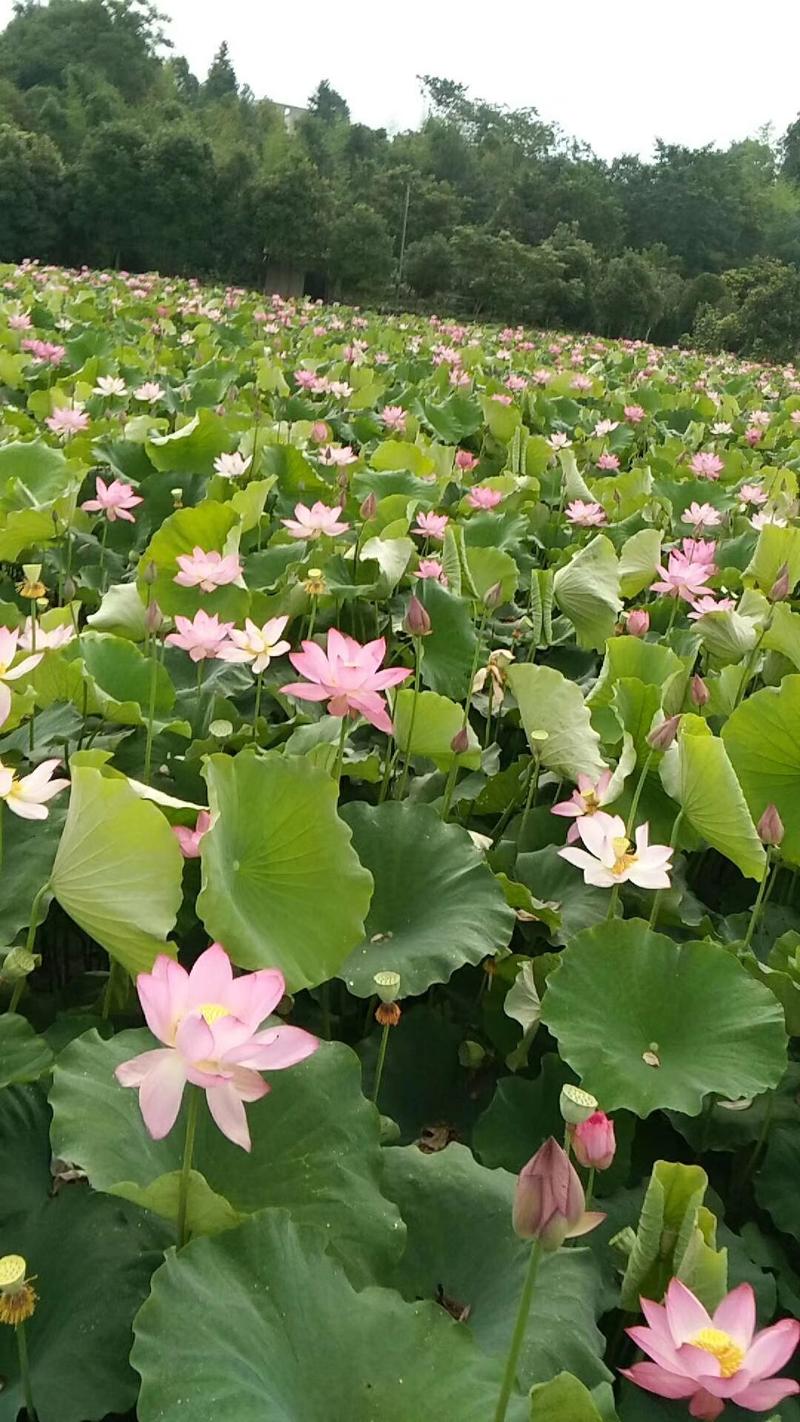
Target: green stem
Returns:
[[116, 976], [151, 711], [103, 556], [381, 1059], [757, 906], [186, 1163], [337, 769], [518, 1335], [450, 785], [257, 712], [488, 736], [637, 794], [19, 988], [530, 799], [673, 839], [412, 718], [589, 1191], [755, 1155], [2, 808], [325, 1007], [25, 1371]]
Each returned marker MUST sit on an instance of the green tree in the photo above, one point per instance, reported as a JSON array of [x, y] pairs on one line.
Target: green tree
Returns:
[[429, 265], [360, 257], [117, 39], [31, 195], [221, 82], [109, 185], [629, 298], [290, 214]]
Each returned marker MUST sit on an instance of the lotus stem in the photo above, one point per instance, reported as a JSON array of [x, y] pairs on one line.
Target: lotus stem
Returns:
[[186, 1163], [518, 1335]]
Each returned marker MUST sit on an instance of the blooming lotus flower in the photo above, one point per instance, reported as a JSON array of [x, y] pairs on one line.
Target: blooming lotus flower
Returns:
[[208, 1021], [201, 636], [207, 571], [752, 494], [28, 796], [232, 466], [594, 1142], [585, 515], [45, 641], [8, 650], [683, 577], [431, 525], [189, 839], [115, 500], [347, 677], [498, 399], [549, 1203], [608, 461], [482, 497], [306, 379], [588, 799], [67, 421], [311, 523], [394, 417], [19, 321], [753, 435], [609, 858], [709, 603], [707, 466], [149, 391], [257, 645], [431, 568], [108, 385], [702, 515], [635, 414], [465, 461], [711, 1359], [559, 440], [722, 427], [339, 457], [762, 519]]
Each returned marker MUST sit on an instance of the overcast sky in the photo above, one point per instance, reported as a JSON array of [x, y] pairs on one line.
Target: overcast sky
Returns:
[[618, 73]]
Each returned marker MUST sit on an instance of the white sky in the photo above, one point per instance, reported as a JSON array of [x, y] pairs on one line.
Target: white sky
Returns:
[[617, 73]]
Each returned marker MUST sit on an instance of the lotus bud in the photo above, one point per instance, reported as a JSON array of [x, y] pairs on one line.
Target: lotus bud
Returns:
[[638, 622], [699, 692], [417, 620], [770, 827], [150, 572], [471, 1055], [369, 506], [70, 589], [153, 618], [782, 586], [387, 986], [549, 1205], [493, 595], [661, 737], [576, 1105], [18, 963], [460, 742], [320, 432], [594, 1142]]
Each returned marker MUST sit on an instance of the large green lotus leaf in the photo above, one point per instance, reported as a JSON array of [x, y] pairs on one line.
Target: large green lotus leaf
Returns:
[[549, 702], [121, 672], [23, 1055], [209, 526], [783, 633], [118, 870], [436, 904], [399, 454], [446, 1198], [92, 1258], [639, 560], [455, 419], [122, 612], [650, 1024], [282, 885], [551, 879], [449, 649], [761, 738], [775, 547], [566, 1399], [711, 798], [29, 848], [193, 448], [521, 1116], [29, 529], [436, 721], [727, 637], [32, 475], [260, 1325], [649, 662], [776, 1180], [587, 591], [490, 568], [315, 1145]]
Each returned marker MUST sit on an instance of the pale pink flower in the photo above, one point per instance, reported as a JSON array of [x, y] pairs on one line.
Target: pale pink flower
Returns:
[[706, 466], [549, 1202], [581, 382], [588, 799], [709, 1360], [189, 839], [20, 321], [760, 418], [605, 427], [609, 858], [27, 796], [432, 568], [201, 636], [585, 515], [702, 516], [340, 389], [515, 382], [149, 391], [207, 571], [257, 645], [722, 427], [431, 525], [208, 1021], [67, 421], [115, 500], [608, 461], [700, 550], [709, 603], [45, 351], [394, 417], [232, 466], [753, 435], [637, 622], [559, 440], [753, 493], [760, 520], [45, 641], [347, 677], [465, 461], [634, 414], [109, 385], [9, 641], [482, 497], [683, 577], [311, 523], [337, 456]]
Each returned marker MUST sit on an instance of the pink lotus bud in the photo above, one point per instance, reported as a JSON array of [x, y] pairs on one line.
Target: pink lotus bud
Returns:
[[464, 460], [638, 622], [770, 827], [594, 1142], [549, 1204], [150, 573], [698, 691], [369, 506], [153, 618], [320, 432], [781, 587], [661, 737], [493, 595], [417, 619], [460, 742]]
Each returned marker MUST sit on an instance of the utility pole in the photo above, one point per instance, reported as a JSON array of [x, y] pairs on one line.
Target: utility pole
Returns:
[[403, 235]]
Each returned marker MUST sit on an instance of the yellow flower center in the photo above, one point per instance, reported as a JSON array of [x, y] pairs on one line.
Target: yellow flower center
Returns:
[[722, 1347], [3, 669], [212, 1011], [623, 858], [590, 801]]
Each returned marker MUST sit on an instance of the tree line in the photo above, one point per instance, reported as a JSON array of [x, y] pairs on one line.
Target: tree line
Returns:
[[114, 154]]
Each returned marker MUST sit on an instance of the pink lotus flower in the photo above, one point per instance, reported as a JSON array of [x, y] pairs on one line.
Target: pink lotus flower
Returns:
[[683, 577], [67, 421], [432, 568], [482, 497], [150, 391], [559, 440], [34, 637], [311, 523], [713, 1359], [189, 839], [207, 571], [700, 550], [108, 385], [115, 500], [347, 677], [762, 518], [394, 417], [465, 461], [753, 436], [338, 457], [201, 636], [588, 799], [45, 352], [637, 622], [605, 427], [585, 515], [20, 321], [753, 493], [28, 796], [232, 466], [608, 461], [257, 645], [208, 1021], [635, 414], [8, 650], [431, 525], [709, 603], [702, 516], [594, 1142], [707, 466], [611, 858], [498, 399]]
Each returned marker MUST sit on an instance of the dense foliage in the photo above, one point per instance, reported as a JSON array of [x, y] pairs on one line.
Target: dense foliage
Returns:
[[113, 153], [447, 677]]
